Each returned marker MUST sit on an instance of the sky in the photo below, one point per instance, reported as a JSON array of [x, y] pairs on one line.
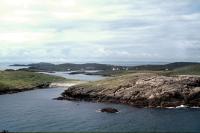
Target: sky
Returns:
[[99, 30]]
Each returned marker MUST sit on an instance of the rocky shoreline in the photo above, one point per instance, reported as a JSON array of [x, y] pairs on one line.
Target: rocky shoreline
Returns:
[[140, 90]]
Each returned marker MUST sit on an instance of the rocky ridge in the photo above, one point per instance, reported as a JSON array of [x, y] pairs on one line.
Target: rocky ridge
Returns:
[[140, 90]]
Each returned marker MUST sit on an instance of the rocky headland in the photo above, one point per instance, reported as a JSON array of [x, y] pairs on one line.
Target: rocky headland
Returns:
[[140, 90]]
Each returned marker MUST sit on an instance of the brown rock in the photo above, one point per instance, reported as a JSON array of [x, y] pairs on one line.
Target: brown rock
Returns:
[[141, 90]]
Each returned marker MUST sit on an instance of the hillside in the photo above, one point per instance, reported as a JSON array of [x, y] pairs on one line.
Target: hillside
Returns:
[[15, 81], [170, 66], [189, 70]]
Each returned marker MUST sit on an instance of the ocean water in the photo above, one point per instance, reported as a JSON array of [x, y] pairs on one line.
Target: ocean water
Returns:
[[77, 76], [37, 111]]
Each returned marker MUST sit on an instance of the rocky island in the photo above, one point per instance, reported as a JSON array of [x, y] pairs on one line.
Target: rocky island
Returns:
[[140, 90]]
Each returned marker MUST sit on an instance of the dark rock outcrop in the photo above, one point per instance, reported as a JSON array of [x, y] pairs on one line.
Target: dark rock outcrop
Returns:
[[146, 90], [109, 110]]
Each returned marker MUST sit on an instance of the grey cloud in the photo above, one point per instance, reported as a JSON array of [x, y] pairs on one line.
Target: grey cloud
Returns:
[[152, 30]]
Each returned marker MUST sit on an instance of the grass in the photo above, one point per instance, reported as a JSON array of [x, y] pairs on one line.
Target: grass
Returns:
[[188, 70], [12, 80], [123, 78], [114, 82]]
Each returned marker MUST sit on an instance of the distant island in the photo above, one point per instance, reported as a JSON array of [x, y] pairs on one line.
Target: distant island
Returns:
[[18, 65], [69, 67], [109, 70]]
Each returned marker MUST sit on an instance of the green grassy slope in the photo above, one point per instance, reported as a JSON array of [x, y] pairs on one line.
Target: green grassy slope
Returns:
[[188, 70], [114, 82], [14, 80]]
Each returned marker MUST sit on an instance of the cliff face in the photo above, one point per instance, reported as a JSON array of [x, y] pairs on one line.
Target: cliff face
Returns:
[[141, 90]]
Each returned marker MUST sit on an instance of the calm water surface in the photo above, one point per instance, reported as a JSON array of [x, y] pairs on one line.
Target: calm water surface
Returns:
[[36, 111], [76, 76]]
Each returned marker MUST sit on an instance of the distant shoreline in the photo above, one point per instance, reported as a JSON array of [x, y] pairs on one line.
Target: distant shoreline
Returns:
[[108, 70]]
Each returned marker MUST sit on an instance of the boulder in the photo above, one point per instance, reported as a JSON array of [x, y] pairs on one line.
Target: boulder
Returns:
[[109, 110]]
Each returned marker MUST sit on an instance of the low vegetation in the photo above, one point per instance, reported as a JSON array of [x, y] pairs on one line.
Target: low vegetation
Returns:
[[188, 70], [19, 80], [113, 82]]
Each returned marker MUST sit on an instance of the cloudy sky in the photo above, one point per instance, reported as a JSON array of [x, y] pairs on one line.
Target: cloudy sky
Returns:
[[99, 30]]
